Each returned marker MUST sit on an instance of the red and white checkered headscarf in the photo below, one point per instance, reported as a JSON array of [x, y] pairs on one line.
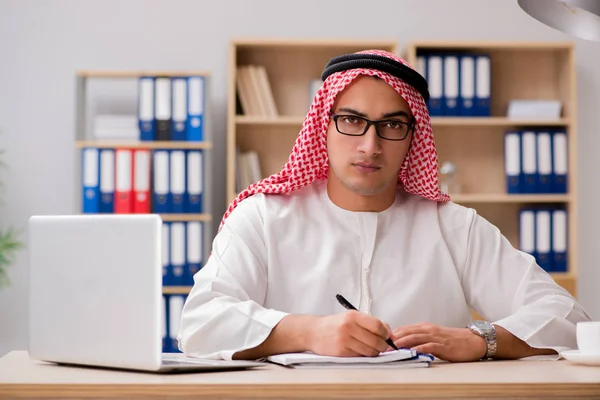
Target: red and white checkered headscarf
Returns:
[[308, 160]]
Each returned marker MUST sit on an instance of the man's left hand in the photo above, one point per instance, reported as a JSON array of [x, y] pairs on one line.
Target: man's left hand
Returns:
[[450, 344]]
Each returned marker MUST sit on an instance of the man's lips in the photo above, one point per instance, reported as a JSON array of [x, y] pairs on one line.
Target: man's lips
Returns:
[[366, 166]]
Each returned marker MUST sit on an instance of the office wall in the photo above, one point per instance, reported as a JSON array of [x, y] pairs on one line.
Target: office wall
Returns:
[[43, 43]]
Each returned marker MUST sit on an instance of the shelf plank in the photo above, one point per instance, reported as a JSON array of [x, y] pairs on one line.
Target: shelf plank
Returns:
[[186, 217], [259, 120], [138, 73], [176, 289], [144, 145], [312, 43], [510, 198], [495, 121], [494, 45]]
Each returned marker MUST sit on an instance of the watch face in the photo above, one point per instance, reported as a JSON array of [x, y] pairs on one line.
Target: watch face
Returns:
[[483, 326]]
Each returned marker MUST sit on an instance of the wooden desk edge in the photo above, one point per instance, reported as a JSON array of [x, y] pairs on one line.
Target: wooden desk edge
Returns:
[[299, 390]]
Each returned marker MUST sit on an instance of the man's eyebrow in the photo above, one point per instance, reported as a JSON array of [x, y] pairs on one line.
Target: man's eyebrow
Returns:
[[396, 114], [399, 113], [352, 111]]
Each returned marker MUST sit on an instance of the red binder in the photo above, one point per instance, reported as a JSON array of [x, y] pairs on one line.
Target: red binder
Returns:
[[123, 181]]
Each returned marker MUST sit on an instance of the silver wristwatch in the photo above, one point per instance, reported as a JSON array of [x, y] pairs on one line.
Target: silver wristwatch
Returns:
[[488, 332]]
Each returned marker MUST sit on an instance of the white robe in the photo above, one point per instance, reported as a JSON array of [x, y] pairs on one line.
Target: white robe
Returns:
[[417, 261]]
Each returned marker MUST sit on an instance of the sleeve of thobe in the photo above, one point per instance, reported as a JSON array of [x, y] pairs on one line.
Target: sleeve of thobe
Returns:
[[508, 288], [223, 313]]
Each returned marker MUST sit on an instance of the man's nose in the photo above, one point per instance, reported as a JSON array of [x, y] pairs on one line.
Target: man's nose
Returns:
[[370, 143]]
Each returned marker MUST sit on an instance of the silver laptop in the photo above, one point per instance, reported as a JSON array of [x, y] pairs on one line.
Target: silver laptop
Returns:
[[95, 294]]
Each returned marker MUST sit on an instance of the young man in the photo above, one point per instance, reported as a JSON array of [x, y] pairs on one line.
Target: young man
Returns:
[[357, 211]]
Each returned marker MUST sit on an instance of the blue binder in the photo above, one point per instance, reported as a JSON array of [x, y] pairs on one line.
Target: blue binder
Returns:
[[160, 187], [194, 250], [559, 239], [90, 180], [527, 231], [435, 77], [196, 103], [107, 180], [451, 70], [177, 182], [543, 238], [179, 111], [512, 161], [483, 85], [146, 120], [195, 178], [560, 166], [177, 262], [166, 254], [544, 162], [175, 304], [466, 94], [529, 178]]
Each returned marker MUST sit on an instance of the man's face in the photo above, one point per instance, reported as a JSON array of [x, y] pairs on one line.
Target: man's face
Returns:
[[368, 164]]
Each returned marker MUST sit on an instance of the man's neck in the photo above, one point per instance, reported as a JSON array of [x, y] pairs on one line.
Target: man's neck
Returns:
[[351, 201]]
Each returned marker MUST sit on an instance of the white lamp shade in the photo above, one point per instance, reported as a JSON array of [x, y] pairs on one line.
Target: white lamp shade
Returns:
[[579, 18]]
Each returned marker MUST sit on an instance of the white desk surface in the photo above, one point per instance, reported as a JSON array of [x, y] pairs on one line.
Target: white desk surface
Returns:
[[23, 377]]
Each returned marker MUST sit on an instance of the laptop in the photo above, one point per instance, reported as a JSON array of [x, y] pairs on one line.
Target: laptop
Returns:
[[95, 294]]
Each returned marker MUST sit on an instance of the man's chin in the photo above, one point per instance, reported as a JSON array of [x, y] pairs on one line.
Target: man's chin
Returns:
[[365, 189]]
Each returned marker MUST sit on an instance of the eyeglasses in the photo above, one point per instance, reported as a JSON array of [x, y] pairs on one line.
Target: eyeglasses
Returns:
[[388, 129]]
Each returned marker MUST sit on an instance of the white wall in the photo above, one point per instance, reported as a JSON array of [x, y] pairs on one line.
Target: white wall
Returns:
[[43, 43]]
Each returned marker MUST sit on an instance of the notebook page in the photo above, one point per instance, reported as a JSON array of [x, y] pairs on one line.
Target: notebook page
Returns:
[[305, 358]]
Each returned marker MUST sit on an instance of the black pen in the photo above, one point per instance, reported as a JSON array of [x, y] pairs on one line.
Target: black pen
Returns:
[[349, 306]]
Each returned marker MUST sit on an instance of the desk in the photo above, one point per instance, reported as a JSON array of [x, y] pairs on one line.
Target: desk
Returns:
[[21, 377]]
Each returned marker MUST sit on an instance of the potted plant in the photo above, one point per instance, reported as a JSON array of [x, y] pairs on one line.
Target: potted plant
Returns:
[[9, 243]]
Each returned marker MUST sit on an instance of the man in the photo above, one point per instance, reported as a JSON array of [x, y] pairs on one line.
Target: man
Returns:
[[357, 211]]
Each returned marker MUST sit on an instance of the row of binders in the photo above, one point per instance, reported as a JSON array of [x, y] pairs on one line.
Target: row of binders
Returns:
[[171, 108], [459, 83], [182, 252], [254, 91], [171, 310], [543, 233], [536, 161], [126, 181]]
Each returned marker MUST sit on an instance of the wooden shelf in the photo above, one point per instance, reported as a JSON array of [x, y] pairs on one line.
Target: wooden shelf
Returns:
[[282, 120], [312, 44], [176, 289], [485, 45], [510, 198], [495, 121], [186, 217], [144, 145], [137, 74]]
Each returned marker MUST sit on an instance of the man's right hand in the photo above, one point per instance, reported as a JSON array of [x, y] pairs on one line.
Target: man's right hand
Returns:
[[348, 334]]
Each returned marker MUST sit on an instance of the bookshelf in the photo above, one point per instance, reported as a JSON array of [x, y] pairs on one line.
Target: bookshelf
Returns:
[[519, 70], [86, 139], [290, 65]]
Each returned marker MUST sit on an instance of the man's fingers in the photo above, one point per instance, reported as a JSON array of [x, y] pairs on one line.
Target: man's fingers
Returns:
[[411, 341], [374, 325], [361, 348], [367, 337], [413, 329], [430, 348]]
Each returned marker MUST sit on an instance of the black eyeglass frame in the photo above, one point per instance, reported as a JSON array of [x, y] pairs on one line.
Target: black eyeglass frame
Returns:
[[411, 126]]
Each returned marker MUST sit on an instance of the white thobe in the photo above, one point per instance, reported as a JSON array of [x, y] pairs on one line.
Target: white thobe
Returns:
[[417, 261]]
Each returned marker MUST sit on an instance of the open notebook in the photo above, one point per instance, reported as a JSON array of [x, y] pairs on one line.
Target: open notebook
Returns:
[[403, 358]]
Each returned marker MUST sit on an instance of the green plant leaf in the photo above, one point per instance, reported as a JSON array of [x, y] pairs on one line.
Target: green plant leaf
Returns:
[[9, 244]]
